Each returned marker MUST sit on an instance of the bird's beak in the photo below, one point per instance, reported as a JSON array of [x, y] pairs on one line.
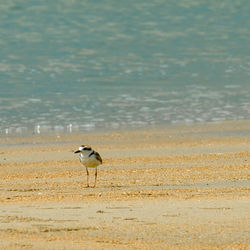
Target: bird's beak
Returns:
[[78, 151]]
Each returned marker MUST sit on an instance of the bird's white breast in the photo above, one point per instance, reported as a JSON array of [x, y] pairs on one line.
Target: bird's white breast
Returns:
[[90, 162]]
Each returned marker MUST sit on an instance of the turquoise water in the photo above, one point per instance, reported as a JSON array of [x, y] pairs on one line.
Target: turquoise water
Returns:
[[83, 65]]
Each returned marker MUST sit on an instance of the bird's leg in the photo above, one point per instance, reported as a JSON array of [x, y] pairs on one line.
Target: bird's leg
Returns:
[[95, 176], [87, 177]]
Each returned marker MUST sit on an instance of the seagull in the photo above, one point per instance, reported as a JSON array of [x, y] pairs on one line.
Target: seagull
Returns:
[[90, 159]]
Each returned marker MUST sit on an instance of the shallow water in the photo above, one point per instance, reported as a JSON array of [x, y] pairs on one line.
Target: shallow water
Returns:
[[82, 65]]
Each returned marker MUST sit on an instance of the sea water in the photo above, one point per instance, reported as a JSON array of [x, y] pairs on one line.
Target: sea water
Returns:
[[71, 65]]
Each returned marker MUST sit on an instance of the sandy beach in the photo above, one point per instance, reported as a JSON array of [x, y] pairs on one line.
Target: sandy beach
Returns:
[[175, 187]]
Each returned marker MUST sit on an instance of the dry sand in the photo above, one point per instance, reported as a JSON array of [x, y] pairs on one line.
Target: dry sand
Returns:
[[183, 187]]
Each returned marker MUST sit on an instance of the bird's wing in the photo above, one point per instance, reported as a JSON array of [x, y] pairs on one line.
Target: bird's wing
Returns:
[[98, 157]]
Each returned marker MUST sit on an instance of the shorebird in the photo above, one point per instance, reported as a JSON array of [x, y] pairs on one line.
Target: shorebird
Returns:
[[90, 159]]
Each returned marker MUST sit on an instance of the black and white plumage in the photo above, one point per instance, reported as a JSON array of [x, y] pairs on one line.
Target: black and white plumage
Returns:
[[90, 159]]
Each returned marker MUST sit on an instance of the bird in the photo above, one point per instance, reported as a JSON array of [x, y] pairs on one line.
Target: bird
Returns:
[[90, 159]]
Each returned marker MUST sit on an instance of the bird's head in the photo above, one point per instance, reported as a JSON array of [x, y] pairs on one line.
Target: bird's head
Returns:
[[83, 148]]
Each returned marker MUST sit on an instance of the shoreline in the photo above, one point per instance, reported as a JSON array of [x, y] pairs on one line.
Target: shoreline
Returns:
[[184, 187], [241, 126]]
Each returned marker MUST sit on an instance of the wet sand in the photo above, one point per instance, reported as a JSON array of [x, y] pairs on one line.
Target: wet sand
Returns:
[[178, 187]]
